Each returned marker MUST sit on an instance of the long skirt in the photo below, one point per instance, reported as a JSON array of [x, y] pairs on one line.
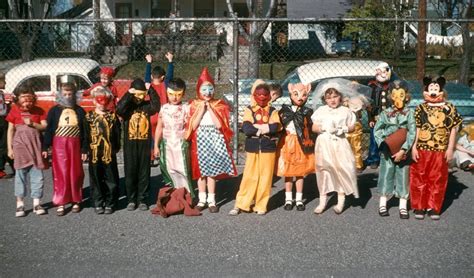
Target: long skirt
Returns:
[[68, 175]]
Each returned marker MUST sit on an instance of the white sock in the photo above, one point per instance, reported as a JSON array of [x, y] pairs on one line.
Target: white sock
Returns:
[[299, 196], [288, 196], [36, 202], [383, 201], [211, 198], [403, 203], [323, 199], [20, 204], [202, 197], [341, 198]]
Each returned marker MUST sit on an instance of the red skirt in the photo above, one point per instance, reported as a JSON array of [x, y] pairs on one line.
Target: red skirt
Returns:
[[68, 174]]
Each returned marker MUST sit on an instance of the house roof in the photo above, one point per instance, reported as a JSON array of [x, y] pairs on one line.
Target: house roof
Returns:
[[76, 11], [317, 8]]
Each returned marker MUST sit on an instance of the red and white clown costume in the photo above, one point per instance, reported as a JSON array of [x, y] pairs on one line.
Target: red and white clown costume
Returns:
[[437, 122]]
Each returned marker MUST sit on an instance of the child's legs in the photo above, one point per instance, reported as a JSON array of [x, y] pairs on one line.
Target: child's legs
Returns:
[[36, 183], [385, 183], [95, 176], [143, 167], [288, 184], [248, 185], [438, 181], [266, 166], [211, 185], [21, 181], [418, 182], [131, 169], [111, 185], [299, 184], [202, 184], [402, 180]]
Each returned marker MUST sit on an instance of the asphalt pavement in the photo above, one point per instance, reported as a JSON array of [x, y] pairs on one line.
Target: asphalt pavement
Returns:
[[357, 243]]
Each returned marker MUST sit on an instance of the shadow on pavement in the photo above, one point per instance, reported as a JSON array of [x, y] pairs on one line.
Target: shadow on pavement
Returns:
[[453, 191]]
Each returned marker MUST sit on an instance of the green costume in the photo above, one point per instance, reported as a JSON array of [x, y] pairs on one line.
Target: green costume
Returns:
[[394, 177]]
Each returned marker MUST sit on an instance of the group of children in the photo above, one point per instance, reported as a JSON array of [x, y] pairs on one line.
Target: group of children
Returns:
[[192, 142]]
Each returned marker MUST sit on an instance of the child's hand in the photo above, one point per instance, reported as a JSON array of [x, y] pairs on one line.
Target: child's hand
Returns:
[[414, 154], [399, 156], [157, 152], [149, 58], [10, 154], [449, 155], [84, 157], [27, 121], [44, 155], [169, 56]]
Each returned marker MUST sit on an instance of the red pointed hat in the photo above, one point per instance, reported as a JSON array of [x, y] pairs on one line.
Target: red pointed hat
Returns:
[[205, 76], [107, 71]]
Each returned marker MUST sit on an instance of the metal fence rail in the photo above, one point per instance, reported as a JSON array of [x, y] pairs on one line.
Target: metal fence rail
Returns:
[[330, 45]]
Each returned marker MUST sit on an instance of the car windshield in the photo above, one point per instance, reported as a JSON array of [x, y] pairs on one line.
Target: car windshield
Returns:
[[94, 75]]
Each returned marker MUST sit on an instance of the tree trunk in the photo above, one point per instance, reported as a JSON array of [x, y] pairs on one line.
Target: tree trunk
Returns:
[[421, 47], [254, 58], [26, 44], [465, 64]]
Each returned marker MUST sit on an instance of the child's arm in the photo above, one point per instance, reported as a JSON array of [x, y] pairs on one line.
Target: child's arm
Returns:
[[199, 113], [158, 136], [461, 148], [170, 69], [248, 127], [10, 132], [40, 127], [452, 141], [125, 105], [215, 120], [154, 106], [414, 151], [147, 79]]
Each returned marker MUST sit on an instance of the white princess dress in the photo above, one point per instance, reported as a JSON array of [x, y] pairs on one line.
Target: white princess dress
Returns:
[[335, 163]]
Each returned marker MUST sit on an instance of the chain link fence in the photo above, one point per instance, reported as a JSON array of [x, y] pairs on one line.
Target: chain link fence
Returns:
[[236, 52]]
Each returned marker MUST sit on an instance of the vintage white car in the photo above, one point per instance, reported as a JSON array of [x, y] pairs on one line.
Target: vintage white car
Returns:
[[43, 75]]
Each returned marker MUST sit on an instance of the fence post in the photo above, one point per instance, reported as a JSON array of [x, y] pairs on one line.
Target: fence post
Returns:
[[235, 88]]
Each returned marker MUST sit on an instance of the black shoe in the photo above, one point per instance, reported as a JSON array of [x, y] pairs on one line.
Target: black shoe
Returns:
[[288, 205], [99, 210], [131, 207], [300, 206], [419, 214], [143, 207], [403, 213], [374, 166], [109, 210], [433, 215], [383, 211]]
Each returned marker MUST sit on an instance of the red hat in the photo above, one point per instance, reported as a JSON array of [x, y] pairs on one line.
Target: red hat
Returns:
[[205, 76], [107, 71]]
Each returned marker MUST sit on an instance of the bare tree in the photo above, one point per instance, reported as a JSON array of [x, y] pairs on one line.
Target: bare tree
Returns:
[[28, 32], [421, 47], [255, 31], [468, 45]]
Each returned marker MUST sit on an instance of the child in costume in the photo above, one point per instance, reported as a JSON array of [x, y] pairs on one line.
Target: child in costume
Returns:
[[379, 87], [261, 125], [106, 75], [275, 91], [170, 144], [437, 122], [335, 164], [25, 122], [136, 112], [464, 154], [65, 135], [395, 133], [4, 110], [102, 129], [296, 146], [210, 135], [157, 81]]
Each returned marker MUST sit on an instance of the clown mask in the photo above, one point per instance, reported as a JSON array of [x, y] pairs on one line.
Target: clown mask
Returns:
[[398, 97], [26, 102], [262, 96], [299, 93], [382, 73], [174, 97], [206, 90]]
